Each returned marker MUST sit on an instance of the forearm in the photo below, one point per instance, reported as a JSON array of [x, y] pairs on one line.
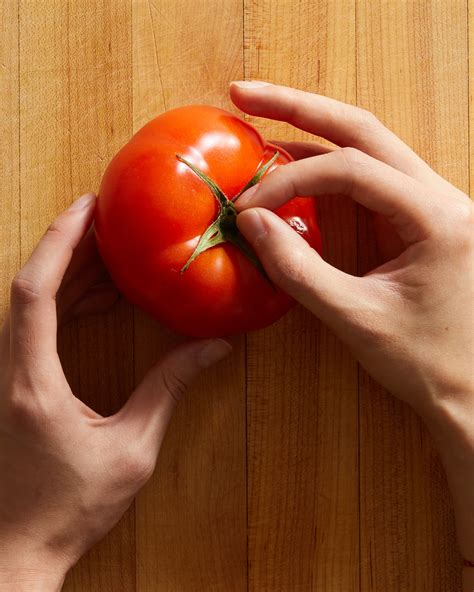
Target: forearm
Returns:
[[453, 430]]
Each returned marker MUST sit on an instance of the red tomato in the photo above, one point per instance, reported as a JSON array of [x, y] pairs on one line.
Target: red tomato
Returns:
[[153, 208]]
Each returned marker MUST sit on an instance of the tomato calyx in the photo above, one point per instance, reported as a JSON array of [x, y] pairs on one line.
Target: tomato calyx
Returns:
[[224, 228]]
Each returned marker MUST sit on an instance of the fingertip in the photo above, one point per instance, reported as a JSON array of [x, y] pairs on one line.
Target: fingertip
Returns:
[[251, 224], [248, 84], [84, 202], [245, 94], [246, 199], [213, 351], [263, 227]]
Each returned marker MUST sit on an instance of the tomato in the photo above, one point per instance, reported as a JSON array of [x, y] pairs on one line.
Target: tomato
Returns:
[[154, 207]]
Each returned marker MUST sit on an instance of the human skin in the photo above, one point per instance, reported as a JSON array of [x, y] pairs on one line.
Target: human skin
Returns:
[[410, 321], [69, 474], [394, 319]]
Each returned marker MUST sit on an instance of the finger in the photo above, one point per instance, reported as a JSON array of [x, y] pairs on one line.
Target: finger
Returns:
[[85, 270], [147, 413], [33, 304], [85, 255], [297, 268], [299, 150], [375, 185], [96, 300], [342, 124]]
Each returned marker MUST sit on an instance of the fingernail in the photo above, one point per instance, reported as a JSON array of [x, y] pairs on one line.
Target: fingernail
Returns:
[[83, 202], [213, 351], [250, 83], [251, 225], [246, 198]]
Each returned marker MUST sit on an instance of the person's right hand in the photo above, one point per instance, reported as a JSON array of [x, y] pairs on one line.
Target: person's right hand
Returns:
[[407, 321], [410, 321]]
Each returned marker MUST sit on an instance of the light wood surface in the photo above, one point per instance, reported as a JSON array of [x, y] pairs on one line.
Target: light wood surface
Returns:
[[286, 468]]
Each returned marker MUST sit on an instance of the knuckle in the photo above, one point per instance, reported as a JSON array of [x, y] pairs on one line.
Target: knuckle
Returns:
[[20, 407], [283, 178], [278, 177], [54, 229], [173, 384], [136, 467], [349, 160], [364, 125], [367, 119], [24, 413], [275, 174], [461, 225], [24, 288], [57, 233], [290, 101], [452, 222], [351, 156]]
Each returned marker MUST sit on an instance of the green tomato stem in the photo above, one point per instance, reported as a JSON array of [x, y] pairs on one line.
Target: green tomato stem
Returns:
[[258, 175], [224, 227]]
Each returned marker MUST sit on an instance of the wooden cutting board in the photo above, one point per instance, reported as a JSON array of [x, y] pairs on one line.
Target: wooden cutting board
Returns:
[[286, 468]]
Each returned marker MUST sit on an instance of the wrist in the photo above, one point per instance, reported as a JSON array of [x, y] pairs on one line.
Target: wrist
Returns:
[[30, 570], [452, 427], [27, 579]]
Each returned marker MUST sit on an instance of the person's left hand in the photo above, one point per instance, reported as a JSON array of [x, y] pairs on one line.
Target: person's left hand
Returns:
[[68, 474]]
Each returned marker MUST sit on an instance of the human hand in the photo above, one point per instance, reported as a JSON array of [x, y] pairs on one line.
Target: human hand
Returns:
[[409, 322], [68, 474], [405, 320]]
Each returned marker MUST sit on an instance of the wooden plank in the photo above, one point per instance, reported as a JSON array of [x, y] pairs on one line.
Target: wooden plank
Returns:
[[74, 116], [191, 518], [9, 149], [100, 87], [411, 71], [302, 383], [470, 60]]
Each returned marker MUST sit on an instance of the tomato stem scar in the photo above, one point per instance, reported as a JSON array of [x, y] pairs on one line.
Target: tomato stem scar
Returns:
[[224, 228]]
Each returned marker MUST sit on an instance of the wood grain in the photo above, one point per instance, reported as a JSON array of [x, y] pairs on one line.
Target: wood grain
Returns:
[[470, 62], [191, 518], [72, 120], [9, 150], [411, 72], [302, 384], [100, 122], [286, 468]]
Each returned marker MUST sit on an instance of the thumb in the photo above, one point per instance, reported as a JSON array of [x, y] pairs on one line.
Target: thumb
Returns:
[[149, 409], [297, 268]]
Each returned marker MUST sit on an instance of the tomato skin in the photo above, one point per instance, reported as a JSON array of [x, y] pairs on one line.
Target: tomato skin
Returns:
[[152, 210]]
